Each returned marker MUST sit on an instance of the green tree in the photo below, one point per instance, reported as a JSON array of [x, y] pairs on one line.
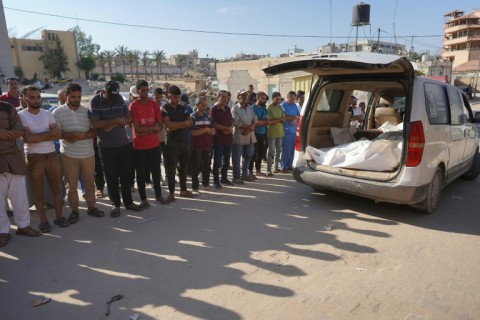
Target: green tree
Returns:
[[159, 56], [122, 52], [101, 59], [18, 72], [85, 45], [137, 55], [145, 61], [110, 59], [131, 60], [54, 59], [87, 64]]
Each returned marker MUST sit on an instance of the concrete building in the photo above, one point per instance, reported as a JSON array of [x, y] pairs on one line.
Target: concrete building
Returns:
[[26, 53], [365, 45], [461, 41], [6, 61], [236, 75]]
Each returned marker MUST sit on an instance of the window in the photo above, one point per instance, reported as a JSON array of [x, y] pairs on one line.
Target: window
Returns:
[[32, 48], [459, 114], [436, 103], [330, 101]]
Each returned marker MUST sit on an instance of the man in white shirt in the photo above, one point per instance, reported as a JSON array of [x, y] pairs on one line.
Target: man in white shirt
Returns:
[[40, 132], [76, 150]]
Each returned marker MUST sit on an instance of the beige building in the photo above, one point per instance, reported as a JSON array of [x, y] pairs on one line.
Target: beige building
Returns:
[[237, 75], [461, 41], [26, 54], [6, 63]]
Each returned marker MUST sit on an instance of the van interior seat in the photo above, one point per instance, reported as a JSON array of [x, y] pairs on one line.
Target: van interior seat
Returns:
[[385, 114]]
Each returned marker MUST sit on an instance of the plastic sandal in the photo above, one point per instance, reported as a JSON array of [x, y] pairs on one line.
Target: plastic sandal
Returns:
[[61, 222], [73, 217], [96, 213], [30, 232], [4, 238]]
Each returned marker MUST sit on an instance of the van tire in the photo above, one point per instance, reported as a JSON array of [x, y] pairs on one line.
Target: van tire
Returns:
[[430, 203], [474, 170]]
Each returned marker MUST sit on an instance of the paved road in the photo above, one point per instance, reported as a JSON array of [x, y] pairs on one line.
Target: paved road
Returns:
[[262, 251]]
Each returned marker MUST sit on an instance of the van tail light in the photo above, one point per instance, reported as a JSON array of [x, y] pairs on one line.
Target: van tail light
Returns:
[[297, 137], [416, 143]]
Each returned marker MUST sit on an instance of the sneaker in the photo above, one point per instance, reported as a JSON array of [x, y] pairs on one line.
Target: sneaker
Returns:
[[226, 182], [162, 200], [187, 194], [217, 186], [285, 171], [171, 197], [276, 170], [269, 174], [206, 188], [144, 204], [247, 178], [133, 207], [252, 176], [237, 181], [115, 212], [195, 190], [259, 174]]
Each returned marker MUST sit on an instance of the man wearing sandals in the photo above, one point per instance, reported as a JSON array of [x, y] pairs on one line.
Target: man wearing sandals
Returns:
[[40, 132], [110, 115], [76, 151], [12, 176]]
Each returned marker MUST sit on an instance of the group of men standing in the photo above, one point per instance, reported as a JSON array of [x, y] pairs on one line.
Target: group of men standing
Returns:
[[242, 132]]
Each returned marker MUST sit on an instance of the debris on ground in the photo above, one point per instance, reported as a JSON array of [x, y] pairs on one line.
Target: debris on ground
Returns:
[[39, 302]]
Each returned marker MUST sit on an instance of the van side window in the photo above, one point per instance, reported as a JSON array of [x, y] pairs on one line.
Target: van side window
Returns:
[[457, 109], [436, 103], [330, 101]]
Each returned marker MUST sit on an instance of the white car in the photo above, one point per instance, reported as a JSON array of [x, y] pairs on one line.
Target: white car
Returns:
[[402, 153], [49, 100]]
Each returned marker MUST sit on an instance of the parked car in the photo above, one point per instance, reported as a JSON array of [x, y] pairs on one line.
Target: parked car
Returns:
[[48, 100], [416, 151]]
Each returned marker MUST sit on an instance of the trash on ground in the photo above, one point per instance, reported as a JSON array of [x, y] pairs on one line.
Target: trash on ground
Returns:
[[134, 316], [147, 220], [328, 227], [39, 302], [360, 269], [114, 298]]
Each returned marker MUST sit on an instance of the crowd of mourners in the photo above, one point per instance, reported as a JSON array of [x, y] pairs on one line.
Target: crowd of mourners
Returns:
[[46, 154]]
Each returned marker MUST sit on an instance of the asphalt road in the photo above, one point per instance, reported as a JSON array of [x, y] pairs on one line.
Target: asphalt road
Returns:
[[274, 249]]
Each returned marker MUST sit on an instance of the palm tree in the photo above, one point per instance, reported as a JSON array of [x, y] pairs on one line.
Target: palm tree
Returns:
[[137, 54], [110, 58], [131, 59], [159, 56], [122, 54], [145, 61], [180, 61], [101, 61]]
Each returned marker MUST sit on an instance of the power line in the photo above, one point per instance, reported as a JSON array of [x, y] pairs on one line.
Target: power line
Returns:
[[197, 30]]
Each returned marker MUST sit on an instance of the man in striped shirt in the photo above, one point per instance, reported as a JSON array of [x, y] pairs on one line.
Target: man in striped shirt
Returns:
[[76, 150]]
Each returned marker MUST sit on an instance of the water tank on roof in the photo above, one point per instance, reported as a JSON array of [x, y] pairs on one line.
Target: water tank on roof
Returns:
[[361, 14]]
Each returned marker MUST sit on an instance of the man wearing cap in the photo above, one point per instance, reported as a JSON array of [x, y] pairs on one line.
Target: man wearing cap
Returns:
[[244, 122], [147, 122], [11, 96], [177, 121], [222, 119], [110, 115]]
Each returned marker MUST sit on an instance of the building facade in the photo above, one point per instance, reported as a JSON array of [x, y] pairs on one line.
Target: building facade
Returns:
[[461, 41], [26, 54]]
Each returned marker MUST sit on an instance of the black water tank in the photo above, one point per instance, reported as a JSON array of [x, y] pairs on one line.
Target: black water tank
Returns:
[[361, 14]]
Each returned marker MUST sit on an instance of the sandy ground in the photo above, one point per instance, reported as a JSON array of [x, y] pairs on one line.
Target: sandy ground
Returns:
[[260, 251]]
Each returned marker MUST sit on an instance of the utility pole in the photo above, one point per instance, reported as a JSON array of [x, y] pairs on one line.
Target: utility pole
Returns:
[[378, 40], [476, 78]]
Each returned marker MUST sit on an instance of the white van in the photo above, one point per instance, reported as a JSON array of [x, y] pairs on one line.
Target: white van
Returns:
[[416, 135]]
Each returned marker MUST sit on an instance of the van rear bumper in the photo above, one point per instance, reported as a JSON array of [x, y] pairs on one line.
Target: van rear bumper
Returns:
[[387, 191]]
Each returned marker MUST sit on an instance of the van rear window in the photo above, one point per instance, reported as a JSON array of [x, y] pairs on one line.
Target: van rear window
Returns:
[[330, 101], [436, 103]]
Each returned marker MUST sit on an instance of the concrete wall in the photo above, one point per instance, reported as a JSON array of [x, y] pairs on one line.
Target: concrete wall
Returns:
[[236, 75]]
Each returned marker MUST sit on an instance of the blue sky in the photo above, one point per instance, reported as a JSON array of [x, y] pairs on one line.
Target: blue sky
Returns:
[[323, 18]]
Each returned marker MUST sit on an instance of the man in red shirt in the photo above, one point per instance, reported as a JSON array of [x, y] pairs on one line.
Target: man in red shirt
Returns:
[[147, 122], [11, 96]]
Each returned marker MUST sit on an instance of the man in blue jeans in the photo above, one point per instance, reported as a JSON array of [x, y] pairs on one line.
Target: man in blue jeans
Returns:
[[221, 116], [244, 122]]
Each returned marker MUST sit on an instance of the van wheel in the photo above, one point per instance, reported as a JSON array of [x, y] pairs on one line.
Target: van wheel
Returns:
[[474, 170], [433, 194]]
